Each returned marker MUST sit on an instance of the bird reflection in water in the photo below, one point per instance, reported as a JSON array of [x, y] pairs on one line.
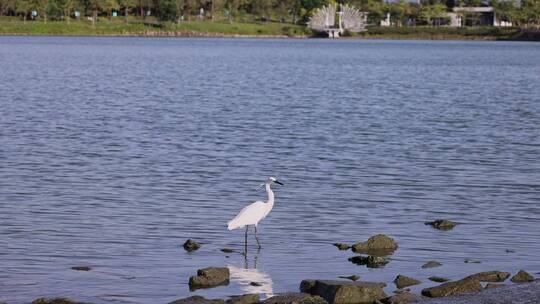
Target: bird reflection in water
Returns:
[[252, 280]]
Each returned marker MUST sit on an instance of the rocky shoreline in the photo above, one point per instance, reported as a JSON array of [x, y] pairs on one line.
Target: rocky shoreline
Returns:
[[482, 287]]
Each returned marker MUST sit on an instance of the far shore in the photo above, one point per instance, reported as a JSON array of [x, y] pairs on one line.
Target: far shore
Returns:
[[207, 29]]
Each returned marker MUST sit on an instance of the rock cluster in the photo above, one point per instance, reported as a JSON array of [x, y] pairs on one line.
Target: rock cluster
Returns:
[[209, 277], [441, 224], [453, 288], [522, 276], [342, 246], [191, 245], [402, 298], [402, 281], [344, 292], [197, 300], [438, 279], [490, 276], [431, 264], [379, 244], [244, 299], [55, 301], [370, 261], [288, 298]]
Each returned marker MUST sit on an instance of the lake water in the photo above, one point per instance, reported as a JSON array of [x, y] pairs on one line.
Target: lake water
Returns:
[[114, 151]]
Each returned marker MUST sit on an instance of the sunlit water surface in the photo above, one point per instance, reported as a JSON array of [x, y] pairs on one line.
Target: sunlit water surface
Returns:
[[114, 151]]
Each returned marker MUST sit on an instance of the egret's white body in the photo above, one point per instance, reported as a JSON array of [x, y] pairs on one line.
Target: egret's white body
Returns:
[[253, 213]]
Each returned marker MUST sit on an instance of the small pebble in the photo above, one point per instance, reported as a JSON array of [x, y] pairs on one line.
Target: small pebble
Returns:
[[227, 250], [81, 268]]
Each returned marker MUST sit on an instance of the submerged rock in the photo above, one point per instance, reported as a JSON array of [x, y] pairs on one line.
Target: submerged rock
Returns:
[[490, 276], [453, 288], [351, 277], [257, 284], [81, 268], [402, 298], [431, 264], [197, 300], [209, 277], [441, 224], [191, 245], [402, 281], [342, 246], [344, 292], [286, 298], [227, 250], [438, 279], [522, 276], [244, 299], [379, 244], [370, 261], [56, 301]]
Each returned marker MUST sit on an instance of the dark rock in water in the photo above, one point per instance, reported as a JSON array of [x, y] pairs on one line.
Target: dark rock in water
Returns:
[[453, 288], [227, 250], [522, 276], [342, 246], [291, 298], [351, 277], [56, 301], [431, 264], [442, 224], [191, 245], [209, 277], [402, 281], [379, 244], [370, 261], [438, 279], [344, 292], [81, 268], [490, 276], [471, 261], [244, 299], [402, 298], [255, 284], [510, 251], [197, 300], [493, 285]]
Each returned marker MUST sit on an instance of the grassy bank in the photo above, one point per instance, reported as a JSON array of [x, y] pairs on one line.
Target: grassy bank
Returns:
[[14, 26], [150, 27], [451, 33]]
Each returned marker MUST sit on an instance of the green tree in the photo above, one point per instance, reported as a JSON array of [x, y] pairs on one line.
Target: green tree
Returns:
[[127, 5], [24, 7], [166, 10], [432, 12]]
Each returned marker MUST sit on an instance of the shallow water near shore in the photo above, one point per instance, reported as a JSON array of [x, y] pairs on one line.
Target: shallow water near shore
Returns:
[[114, 151]]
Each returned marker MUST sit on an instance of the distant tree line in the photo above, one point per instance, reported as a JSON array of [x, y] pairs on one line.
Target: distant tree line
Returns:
[[423, 12]]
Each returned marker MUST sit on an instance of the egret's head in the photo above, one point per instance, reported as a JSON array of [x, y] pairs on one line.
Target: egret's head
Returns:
[[272, 180]]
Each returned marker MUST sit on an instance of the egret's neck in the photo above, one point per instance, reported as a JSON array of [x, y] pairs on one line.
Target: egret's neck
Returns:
[[270, 195]]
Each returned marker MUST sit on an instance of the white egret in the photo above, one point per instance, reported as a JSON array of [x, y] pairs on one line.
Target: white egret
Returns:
[[255, 212]]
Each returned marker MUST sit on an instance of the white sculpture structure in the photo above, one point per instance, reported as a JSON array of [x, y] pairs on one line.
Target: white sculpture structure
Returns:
[[350, 19]]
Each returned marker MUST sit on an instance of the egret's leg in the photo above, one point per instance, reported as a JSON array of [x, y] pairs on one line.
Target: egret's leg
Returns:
[[257, 238], [245, 240]]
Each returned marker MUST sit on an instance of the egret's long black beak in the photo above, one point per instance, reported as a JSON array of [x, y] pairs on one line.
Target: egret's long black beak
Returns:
[[278, 182]]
